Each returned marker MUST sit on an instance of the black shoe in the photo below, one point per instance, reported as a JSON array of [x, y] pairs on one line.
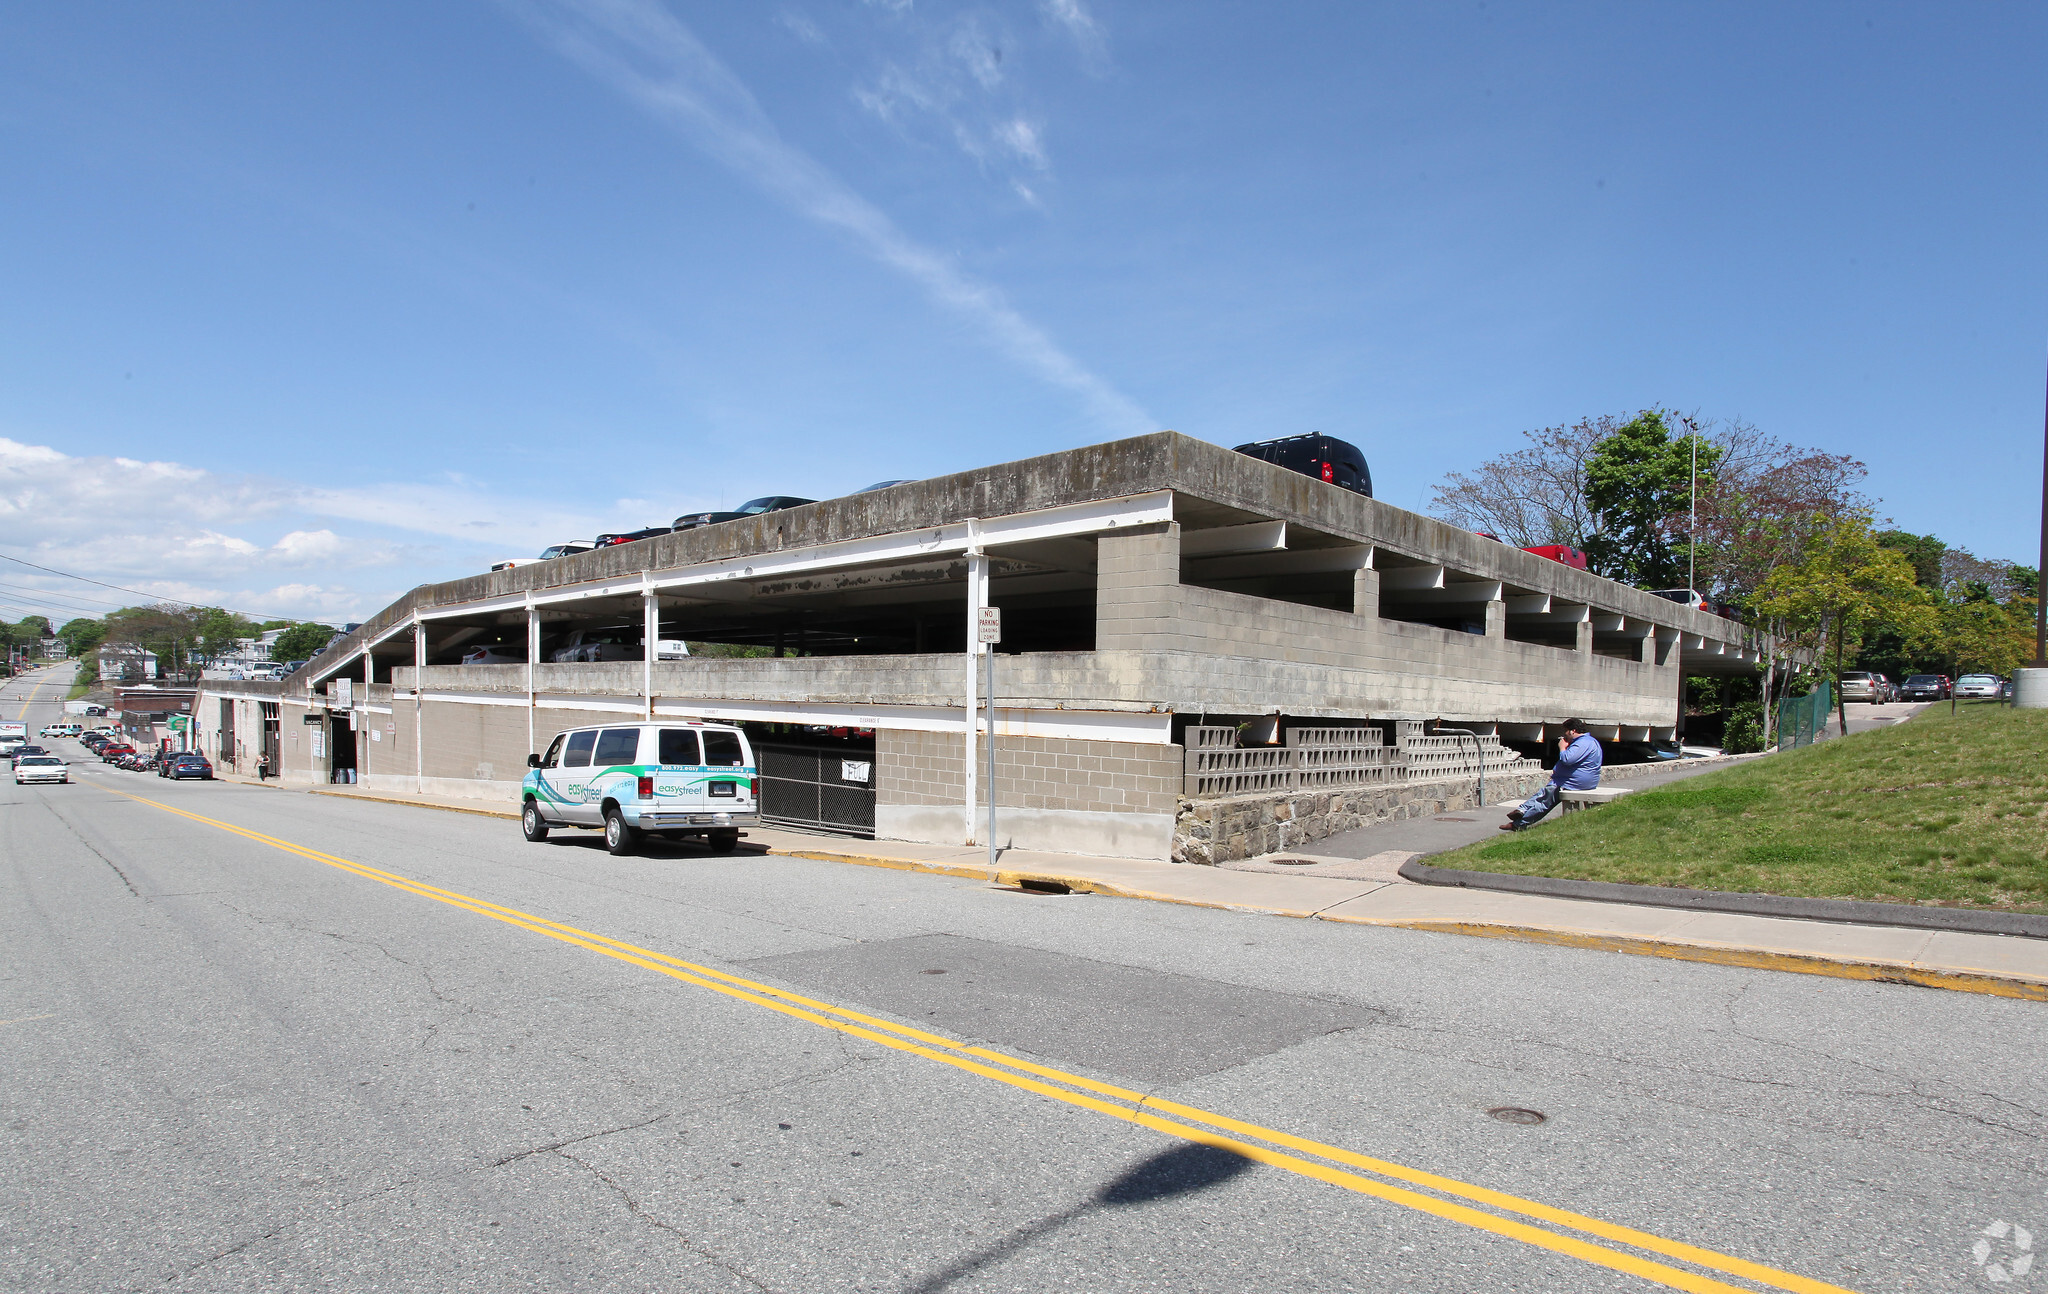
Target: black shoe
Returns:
[[1514, 815]]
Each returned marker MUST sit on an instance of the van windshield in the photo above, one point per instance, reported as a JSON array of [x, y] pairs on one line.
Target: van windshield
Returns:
[[722, 750]]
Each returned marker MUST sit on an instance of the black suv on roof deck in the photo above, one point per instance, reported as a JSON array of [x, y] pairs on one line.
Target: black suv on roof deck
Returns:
[[1324, 457]]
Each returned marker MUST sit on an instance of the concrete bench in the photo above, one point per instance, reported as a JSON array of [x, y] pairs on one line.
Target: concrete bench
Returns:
[[1571, 801]]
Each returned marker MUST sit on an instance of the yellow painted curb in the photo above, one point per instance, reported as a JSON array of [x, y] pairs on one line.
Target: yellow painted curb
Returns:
[[1724, 955]]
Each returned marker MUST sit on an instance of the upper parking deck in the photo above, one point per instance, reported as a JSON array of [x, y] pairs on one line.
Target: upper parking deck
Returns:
[[888, 573]]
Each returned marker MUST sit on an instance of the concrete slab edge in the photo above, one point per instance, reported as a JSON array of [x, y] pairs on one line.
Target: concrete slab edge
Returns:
[[1843, 911], [1747, 958]]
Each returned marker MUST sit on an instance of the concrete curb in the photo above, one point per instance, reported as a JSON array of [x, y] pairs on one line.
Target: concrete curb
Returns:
[[1845, 911]]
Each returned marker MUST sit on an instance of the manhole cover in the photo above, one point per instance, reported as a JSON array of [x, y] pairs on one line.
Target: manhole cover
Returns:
[[1457, 819], [1292, 862], [1516, 1114]]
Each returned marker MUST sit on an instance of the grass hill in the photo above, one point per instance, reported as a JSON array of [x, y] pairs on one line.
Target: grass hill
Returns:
[[1941, 809]]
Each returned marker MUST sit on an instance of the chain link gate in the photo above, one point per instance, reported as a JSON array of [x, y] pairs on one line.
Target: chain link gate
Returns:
[[825, 785], [1803, 720]]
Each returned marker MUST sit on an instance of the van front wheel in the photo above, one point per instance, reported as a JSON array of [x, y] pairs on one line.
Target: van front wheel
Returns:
[[618, 837], [532, 825]]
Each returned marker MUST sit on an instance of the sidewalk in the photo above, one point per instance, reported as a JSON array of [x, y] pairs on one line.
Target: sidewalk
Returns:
[[1370, 893]]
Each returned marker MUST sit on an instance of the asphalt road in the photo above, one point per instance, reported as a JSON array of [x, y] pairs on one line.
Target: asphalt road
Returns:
[[256, 1039]]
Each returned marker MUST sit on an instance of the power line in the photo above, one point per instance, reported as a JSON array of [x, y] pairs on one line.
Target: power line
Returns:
[[122, 588]]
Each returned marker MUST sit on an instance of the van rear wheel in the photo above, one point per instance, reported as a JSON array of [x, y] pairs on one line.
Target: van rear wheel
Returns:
[[724, 842], [618, 837]]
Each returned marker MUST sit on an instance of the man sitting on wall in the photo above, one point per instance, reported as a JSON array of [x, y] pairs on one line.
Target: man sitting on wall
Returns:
[[1578, 769]]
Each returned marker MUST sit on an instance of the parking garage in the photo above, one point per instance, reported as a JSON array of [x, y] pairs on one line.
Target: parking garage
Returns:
[[1145, 587]]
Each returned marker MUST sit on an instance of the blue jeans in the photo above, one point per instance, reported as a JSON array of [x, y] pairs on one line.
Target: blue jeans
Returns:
[[1542, 802]]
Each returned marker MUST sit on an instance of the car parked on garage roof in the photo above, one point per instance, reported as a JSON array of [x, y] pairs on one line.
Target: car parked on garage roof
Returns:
[[751, 508], [632, 536], [569, 549], [1325, 458]]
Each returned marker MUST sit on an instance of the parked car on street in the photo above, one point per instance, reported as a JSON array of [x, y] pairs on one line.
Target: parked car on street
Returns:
[[1924, 687], [1325, 458], [1984, 686], [673, 779], [1856, 685], [114, 751], [188, 765], [41, 768], [1887, 691], [751, 508]]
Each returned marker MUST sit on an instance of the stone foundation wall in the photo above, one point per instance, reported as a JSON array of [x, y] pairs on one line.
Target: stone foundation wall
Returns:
[[1222, 831]]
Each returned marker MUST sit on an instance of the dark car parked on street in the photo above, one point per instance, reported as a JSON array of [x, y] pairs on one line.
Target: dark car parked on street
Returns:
[[1325, 458], [190, 764], [751, 508], [1924, 687]]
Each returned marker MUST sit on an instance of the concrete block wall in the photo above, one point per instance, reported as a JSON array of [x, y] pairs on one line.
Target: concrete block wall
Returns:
[[1055, 793]]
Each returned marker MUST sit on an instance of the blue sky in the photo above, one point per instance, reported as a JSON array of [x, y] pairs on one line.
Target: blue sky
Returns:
[[303, 305]]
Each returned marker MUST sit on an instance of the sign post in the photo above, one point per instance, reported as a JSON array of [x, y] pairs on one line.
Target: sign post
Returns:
[[988, 631]]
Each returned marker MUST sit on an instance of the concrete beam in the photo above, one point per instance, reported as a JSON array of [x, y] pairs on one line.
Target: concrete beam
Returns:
[[1218, 541], [1409, 579], [1456, 591], [1303, 561]]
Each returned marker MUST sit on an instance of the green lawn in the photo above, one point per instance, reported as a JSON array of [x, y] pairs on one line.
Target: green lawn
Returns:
[[1937, 810]]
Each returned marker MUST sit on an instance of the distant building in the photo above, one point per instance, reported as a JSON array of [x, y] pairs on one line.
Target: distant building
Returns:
[[126, 663]]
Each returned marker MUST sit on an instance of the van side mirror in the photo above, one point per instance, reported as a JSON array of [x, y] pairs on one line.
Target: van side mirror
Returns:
[[533, 761]]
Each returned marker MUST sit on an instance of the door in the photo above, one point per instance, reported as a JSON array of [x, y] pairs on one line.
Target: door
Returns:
[[568, 783]]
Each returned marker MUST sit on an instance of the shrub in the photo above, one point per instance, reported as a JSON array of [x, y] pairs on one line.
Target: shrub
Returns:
[[1745, 730]]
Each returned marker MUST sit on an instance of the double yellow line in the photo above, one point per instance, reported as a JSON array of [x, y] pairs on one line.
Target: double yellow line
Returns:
[[1325, 1163]]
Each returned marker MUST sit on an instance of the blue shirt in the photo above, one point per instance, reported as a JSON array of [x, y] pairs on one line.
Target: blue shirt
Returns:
[[1578, 767]]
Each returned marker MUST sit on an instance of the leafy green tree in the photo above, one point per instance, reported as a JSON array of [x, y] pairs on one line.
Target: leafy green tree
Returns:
[[1639, 484], [82, 635], [1923, 551], [1846, 585], [300, 641], [221, 631]]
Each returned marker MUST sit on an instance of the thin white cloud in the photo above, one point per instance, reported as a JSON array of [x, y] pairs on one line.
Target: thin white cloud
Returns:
[[1022, 139], [641, 51], [801, 27], [1072, 17], [179, 532]]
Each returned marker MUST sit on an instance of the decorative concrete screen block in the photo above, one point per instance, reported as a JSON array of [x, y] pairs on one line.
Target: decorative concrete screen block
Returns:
[[1312, 759], [1455, 756]]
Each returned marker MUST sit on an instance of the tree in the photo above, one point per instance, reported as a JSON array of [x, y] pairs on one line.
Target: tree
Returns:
[[1847, 584], [1533, 496], [1925, 552], [300, 641], [221, 631], [1639, 482], [81, 636]]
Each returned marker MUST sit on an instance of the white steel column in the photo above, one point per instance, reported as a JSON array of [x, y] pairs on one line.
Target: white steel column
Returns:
[[650, 619], [532, 656], [419, 686], [977, 598]]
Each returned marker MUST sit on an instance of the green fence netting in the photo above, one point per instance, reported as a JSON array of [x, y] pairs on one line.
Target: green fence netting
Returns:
[[1802, 720]]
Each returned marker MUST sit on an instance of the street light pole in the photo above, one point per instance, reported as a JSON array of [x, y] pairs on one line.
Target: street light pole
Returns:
[[2040, 594]]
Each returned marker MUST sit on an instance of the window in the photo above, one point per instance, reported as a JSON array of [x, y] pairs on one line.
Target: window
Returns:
[[579, 749], [617, 746], [554, 752], [679, 746], [722, 750]]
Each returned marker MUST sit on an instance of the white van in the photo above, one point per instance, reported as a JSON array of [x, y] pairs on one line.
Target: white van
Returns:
[[677, 779]]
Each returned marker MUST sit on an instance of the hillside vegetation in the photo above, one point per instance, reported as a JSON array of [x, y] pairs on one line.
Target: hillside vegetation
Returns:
[[1940, 809]]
